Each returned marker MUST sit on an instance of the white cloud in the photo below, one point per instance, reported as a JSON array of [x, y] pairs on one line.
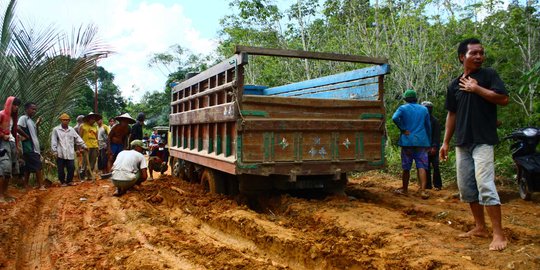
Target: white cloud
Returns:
[[133, 29]]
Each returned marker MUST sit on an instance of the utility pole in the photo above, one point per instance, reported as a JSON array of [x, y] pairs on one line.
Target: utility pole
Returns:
[[96, 82]]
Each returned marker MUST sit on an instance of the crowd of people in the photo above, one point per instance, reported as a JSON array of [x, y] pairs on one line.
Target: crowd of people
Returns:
[[96, 149]]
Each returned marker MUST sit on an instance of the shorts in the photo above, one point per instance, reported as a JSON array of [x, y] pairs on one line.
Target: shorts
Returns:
[[32, 162], [116, 148], [418, 154], [475, 168], [9, 164]]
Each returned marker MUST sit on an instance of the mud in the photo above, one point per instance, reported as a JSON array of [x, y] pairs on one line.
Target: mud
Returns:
[[171, 224]]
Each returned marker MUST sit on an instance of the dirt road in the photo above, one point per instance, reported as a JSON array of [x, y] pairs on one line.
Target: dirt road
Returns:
[[171, 224]]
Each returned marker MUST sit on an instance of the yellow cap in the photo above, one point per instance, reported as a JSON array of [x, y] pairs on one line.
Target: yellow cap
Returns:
[[64, 116]]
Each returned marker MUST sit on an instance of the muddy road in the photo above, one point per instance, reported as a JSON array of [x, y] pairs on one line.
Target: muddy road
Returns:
[[171, 224]]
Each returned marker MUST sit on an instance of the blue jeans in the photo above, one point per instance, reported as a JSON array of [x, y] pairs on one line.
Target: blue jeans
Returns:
[[476, 174]]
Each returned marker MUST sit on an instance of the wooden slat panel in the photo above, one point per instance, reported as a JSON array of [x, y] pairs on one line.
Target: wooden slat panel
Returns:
[[268, 101], [238, 59], [208, 92], [310, 55], [220, 113], [218, 162], [372, 82], [354, 75]]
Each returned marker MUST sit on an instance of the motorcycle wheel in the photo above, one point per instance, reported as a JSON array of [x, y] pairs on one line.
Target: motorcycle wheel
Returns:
[[524, 192]]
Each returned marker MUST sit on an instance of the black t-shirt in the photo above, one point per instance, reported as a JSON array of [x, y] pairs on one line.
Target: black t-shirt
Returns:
[[476, 118], [136, 132]]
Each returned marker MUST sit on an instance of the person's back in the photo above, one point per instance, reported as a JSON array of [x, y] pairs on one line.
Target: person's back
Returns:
[[126, 165], [413, 117]]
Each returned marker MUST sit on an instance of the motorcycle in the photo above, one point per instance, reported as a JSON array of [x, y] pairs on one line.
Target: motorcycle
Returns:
[[527, 160]]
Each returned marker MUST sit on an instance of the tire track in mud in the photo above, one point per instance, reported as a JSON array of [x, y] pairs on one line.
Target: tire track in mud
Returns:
[[37, 240], [170, 257]]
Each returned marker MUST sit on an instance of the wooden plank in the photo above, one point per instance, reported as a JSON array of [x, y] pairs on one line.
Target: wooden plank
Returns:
[[327, 87], [306, 168], [310, 55], [364, 92], [208, 92], [218, 162], [220, 113], [238, 59], [332, 79], [269, 101], [310, 124]]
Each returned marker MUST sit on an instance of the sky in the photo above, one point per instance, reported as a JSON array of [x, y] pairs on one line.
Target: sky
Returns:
[[134, 30]]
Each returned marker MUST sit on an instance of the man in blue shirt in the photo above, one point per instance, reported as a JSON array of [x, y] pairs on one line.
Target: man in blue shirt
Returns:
[[413, 121]]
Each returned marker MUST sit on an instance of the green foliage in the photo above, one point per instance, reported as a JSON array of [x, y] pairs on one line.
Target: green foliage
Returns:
[[421, 48], [45, 66]]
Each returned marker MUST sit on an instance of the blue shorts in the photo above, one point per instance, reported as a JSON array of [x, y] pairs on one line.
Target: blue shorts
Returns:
[[116, 148], [475, 166], [418, 154]]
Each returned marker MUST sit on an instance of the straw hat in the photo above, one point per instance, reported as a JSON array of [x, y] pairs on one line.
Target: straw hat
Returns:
[[92, 115], [127, 117]]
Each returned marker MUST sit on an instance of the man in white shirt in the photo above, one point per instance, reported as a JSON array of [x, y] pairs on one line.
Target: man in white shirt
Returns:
[[129, 168], [63, 140]]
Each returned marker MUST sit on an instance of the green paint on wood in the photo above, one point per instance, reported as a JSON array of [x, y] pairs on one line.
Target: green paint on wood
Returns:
[[365, 116], [191, 143], [210, 145], [239, 148], [200, 144], [254, 113], [247, 166], [218, 145]]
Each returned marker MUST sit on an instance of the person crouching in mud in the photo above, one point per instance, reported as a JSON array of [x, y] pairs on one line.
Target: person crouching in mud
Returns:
[[129, 168]]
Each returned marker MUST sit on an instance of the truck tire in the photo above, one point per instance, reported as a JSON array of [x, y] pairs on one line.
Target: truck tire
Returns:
[[213, 181], [175, 167]]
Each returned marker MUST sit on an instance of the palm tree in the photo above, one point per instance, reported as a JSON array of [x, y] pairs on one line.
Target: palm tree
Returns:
[[45, 66]]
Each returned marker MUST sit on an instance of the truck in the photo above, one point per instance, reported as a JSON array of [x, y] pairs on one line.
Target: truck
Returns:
[[233, 137]]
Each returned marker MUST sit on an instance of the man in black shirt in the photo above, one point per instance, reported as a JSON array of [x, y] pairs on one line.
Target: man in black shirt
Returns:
[[471, 102], [137, 128]]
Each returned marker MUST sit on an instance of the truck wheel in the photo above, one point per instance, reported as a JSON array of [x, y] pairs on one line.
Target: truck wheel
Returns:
[[191, 173], [176, 167], [213, 181], [524, 192]]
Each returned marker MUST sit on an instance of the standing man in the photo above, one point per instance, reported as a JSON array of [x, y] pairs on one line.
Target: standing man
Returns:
[[103, 133], [471, 102], [9, 158], [433, 155], [129, 168], [89, 134], [412, 120], [28, 129], [137, 128], [63, 141]]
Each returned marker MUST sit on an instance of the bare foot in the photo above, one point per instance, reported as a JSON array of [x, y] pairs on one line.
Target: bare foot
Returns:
[[498, 243], [476, 232]]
